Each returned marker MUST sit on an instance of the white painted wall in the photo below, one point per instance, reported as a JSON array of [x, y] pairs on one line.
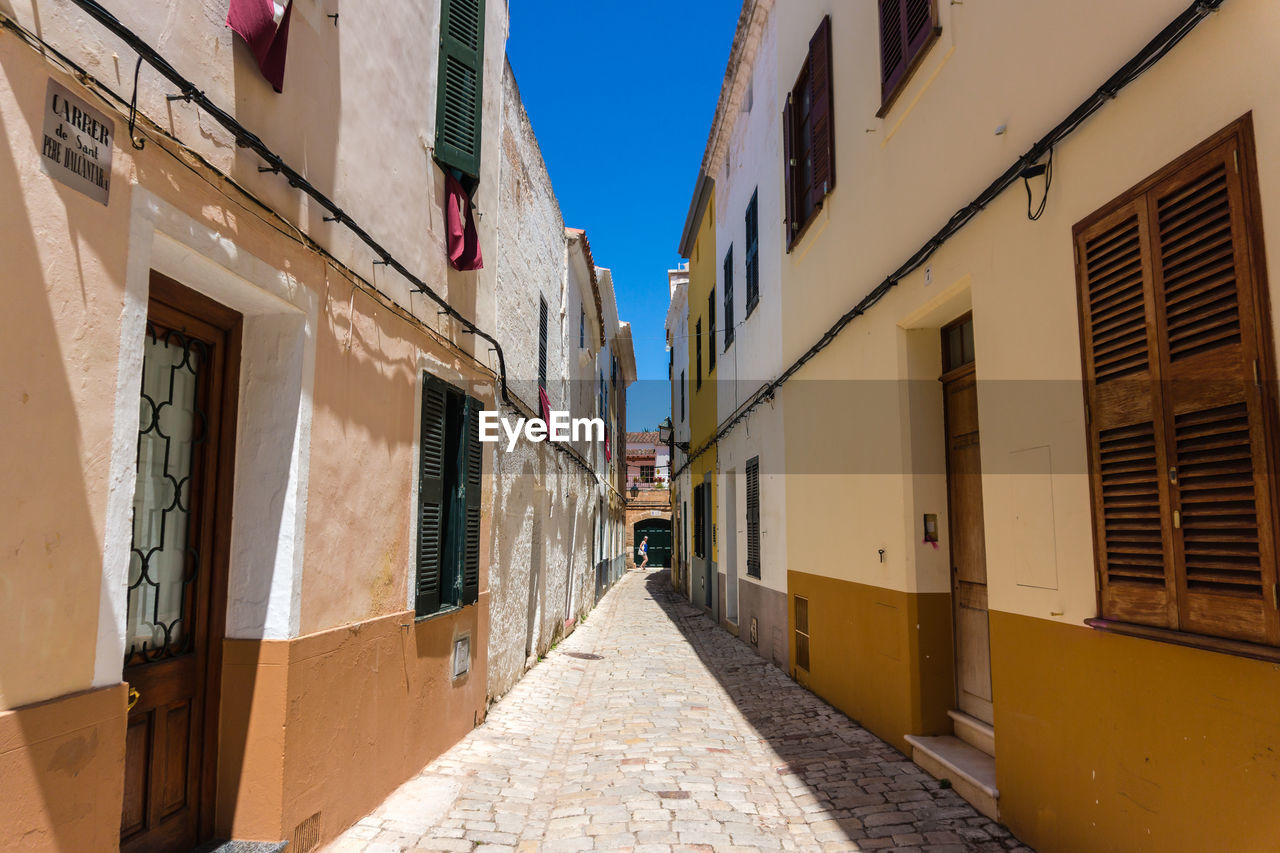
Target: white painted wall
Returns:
[[752, 165]]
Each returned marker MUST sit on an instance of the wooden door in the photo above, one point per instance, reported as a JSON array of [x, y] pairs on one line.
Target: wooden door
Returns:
[[176, 596], [968, 540]]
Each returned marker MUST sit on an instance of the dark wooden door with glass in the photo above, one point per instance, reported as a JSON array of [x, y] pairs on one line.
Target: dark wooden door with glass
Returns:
[[968, 538], [176, 583]]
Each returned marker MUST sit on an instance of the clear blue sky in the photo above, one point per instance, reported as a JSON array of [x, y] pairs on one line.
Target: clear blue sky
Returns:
[[621, 96]]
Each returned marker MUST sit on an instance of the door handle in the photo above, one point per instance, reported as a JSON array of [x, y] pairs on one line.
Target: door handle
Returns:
[[134, 696]]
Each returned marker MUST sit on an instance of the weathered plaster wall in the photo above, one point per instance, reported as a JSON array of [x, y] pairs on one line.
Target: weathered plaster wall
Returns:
[[327, 406], [543, 503]]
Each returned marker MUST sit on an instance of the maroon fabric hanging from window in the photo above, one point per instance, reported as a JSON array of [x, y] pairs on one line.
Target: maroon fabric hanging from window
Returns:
[[255, 22], [544, 403], [460, 228]]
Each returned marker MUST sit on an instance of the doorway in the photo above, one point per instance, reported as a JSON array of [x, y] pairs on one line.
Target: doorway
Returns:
[[658, 530], [968, 540], [176, 597], [731, 547], [708, 564]]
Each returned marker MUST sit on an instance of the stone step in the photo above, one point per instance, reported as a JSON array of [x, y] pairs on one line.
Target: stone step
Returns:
[[973, 731], [971, 772]]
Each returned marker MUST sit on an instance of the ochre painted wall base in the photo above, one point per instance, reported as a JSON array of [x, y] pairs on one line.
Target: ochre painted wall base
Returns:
[[62, 772], [1105, 742], [331, 723], [882, 656]]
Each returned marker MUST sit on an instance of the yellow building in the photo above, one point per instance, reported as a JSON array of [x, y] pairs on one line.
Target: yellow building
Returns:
[[1028, 400], [698, 246]]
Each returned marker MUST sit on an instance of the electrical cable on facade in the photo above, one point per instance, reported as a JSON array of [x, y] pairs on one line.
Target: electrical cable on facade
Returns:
[[1150, 54], [190, 93]]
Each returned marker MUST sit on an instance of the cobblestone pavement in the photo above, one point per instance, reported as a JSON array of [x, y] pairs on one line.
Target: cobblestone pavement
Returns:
[[679, 738]]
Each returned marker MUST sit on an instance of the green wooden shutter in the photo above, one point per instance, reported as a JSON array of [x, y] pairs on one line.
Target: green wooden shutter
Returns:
[[430, 496], [473, 450], [461, 79]]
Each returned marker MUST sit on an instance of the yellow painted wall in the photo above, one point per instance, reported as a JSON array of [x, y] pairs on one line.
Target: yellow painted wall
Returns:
[[703, 419], [881, 656], [1111, 743], [871, 473]]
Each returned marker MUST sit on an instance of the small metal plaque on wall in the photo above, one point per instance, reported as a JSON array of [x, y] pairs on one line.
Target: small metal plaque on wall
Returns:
[[77, 143], [461, 656]]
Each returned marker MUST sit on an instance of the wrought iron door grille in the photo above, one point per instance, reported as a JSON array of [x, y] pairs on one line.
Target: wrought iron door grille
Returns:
[[165, 561]]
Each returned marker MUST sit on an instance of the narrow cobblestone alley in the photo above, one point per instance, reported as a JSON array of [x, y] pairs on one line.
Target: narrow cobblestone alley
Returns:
[[649, 729]]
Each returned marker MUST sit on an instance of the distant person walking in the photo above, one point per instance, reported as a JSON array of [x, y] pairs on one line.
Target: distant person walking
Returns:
[[644, 552]]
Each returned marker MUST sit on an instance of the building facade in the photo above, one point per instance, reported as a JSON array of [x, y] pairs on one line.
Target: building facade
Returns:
[[1025, 375], [677, 332], [698, 246], [254, 542], [648, 500]]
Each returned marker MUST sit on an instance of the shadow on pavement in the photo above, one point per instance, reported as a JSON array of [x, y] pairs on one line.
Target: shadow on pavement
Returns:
[[869, 788]]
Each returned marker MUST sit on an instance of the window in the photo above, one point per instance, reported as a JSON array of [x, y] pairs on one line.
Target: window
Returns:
[[582, 328], [802, 633], [697, 342], [753, 517], [907, 28], [808, 136], [753, 253], [957, 344], [682, 382], [1176, 347], [447, 573], [461, 78], [542, 343], [728, 297], [684, 532], [711, 331], [646, 473]]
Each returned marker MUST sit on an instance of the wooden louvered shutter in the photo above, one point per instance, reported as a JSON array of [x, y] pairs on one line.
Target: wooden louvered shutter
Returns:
[[430, 496], [905, 28], [1126, 431], [789, 169], [753, 517], [1209, 318], [460, 85], [1174, 337], [472, 451], [821, 114]]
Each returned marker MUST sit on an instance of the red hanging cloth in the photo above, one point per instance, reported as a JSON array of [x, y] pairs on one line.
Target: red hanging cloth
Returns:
[[255, 22], [460, 227], [544, 402]]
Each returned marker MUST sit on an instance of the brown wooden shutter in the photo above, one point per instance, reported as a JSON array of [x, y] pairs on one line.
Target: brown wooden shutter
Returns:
[[471, 489], [905, 28], [821, 114], [789, 169], [1224, 549], [430, 496], [1174, 335], [1131, 491]]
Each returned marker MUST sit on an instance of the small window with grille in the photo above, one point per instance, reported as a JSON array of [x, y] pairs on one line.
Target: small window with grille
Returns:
[[802, 633]]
